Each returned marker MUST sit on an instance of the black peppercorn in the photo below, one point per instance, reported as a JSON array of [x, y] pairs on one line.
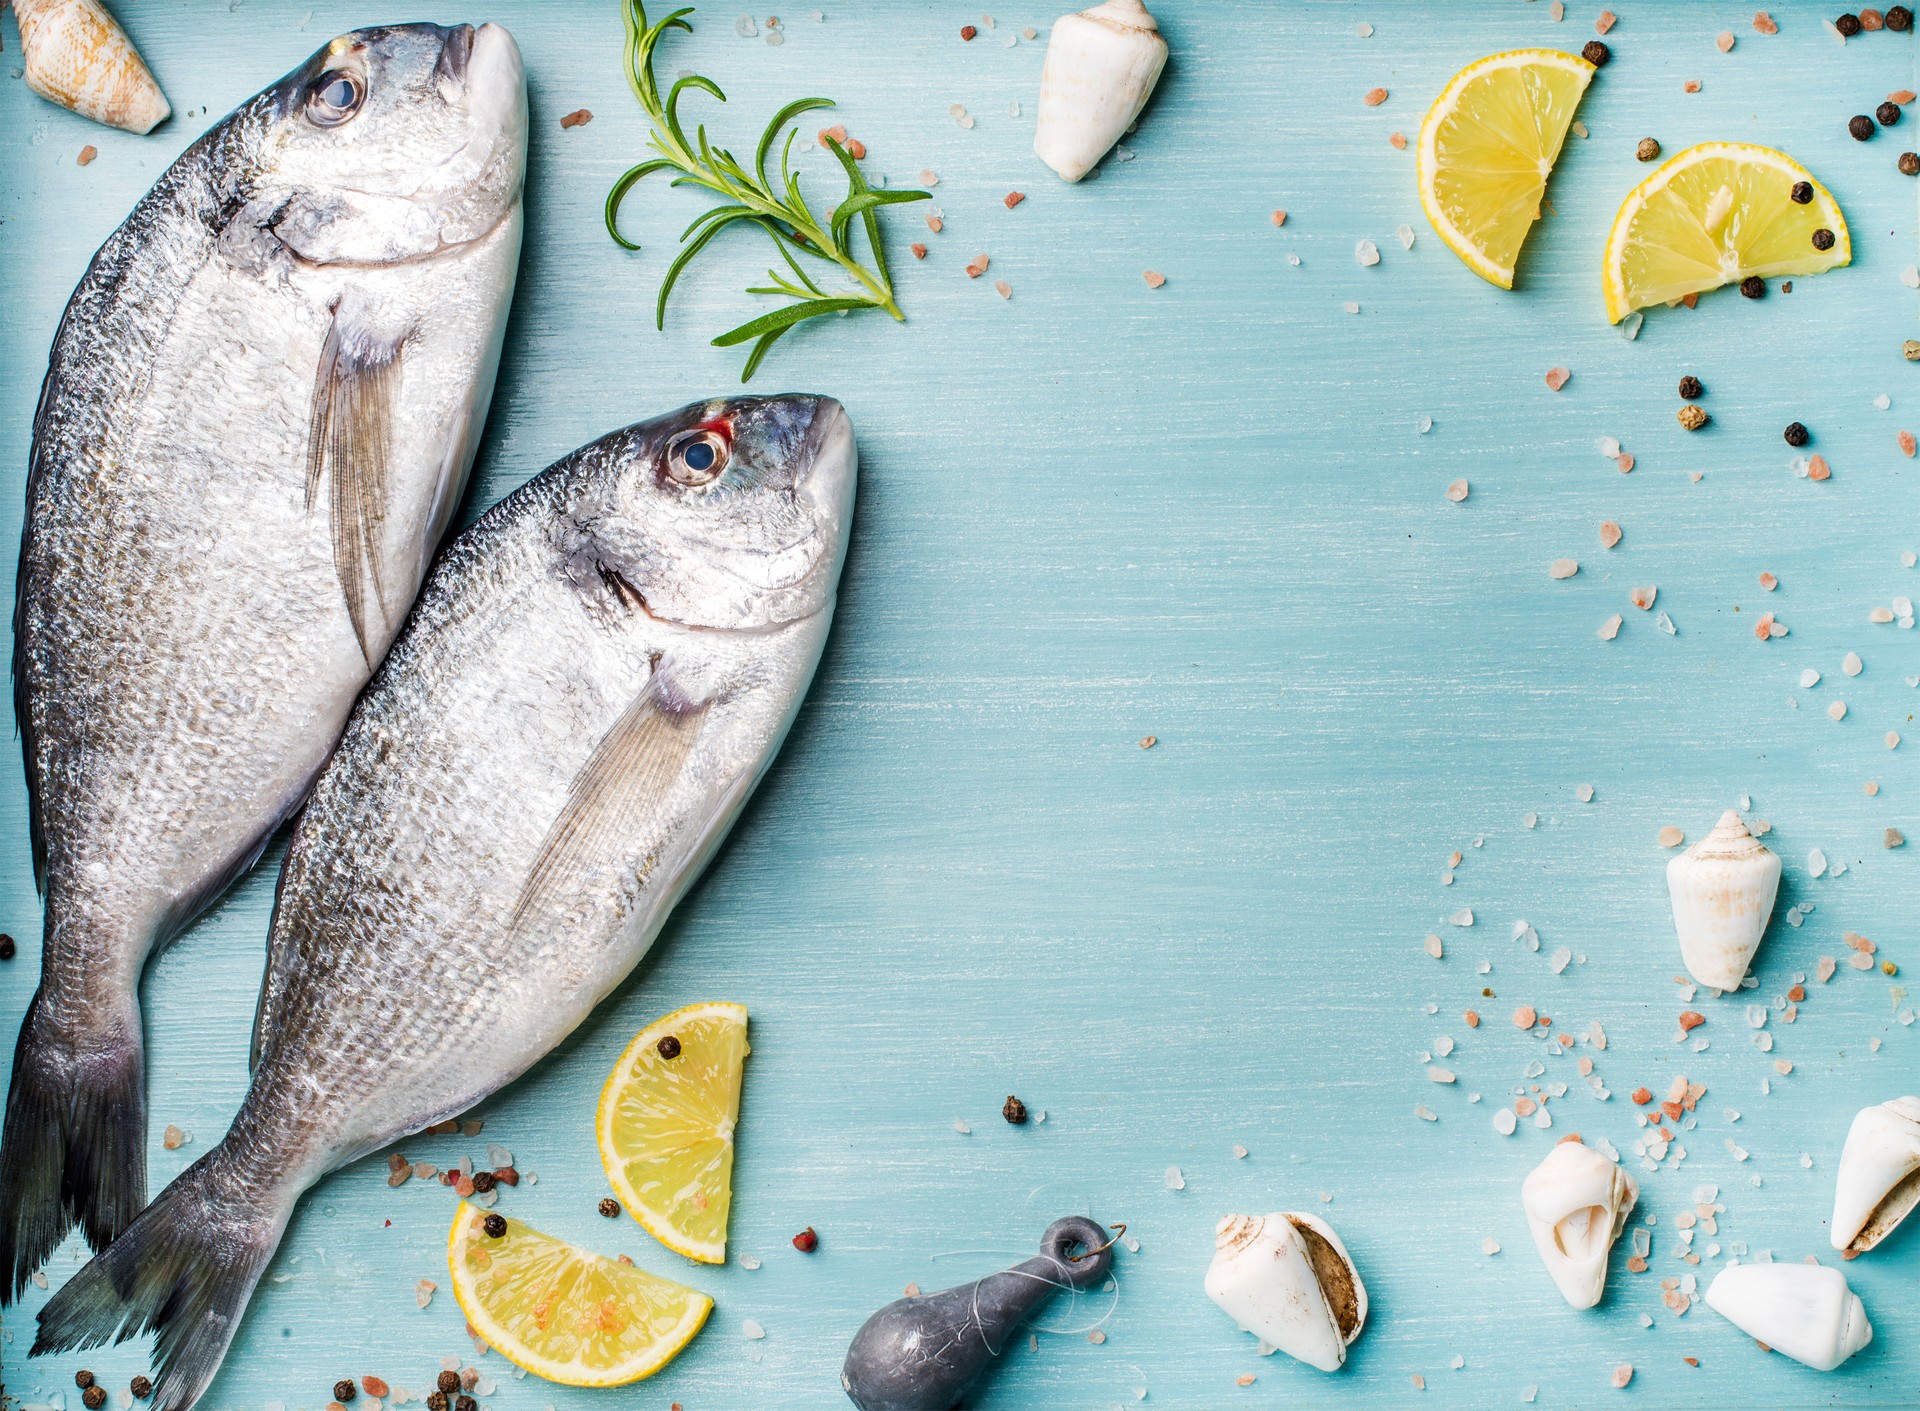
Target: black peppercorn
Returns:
[[1690, 387], [83, 1379], [669, 1047], [93, 1398], [141, 1388], [449, 1382], [1823, 239], [1899, 18], [484, 1181], [1861, 126], [1596, 53], [343, 1390], [1887, 114], [466, 1403], [6, 946], [1800, 193], [1796, 434], [495, 1226], [1015, 1111], [1848, 25], [1753, 287], [437, 1400], [609, 1207]]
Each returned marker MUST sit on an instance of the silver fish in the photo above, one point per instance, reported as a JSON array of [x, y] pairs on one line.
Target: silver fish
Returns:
[[258, 417], [597, 674]]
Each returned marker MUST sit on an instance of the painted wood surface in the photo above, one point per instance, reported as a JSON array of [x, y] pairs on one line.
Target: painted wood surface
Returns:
[[1207, 512]]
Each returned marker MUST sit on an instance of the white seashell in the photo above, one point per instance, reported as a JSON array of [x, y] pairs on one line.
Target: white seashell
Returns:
[[1288, 1280], [1879, 1180], [1101, 67], [76, 56], [1805, 1311], [1577, 1202], [1722, 890]]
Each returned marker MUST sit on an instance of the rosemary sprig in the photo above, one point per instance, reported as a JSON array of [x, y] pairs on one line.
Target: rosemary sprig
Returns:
[[752, 197]]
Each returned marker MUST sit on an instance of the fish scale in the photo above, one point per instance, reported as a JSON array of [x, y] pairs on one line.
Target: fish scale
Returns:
[[192, 621], [596, 676]]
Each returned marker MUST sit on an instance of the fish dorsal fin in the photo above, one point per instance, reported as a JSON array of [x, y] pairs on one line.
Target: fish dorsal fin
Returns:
[[625, 779], [348, 436]]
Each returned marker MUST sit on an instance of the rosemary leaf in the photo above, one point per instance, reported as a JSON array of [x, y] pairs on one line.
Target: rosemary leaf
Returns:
[[752, 197]]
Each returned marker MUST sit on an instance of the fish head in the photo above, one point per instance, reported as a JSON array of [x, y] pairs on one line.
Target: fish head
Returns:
[[393, 144], [730, 514]]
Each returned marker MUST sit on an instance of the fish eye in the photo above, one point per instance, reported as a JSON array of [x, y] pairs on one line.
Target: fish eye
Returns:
[[335, 98], [697, 457]]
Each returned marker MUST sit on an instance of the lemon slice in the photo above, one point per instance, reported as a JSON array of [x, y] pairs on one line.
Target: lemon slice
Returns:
[[1713, 215], [666, 1126], [562, 1313], [1487, 147]]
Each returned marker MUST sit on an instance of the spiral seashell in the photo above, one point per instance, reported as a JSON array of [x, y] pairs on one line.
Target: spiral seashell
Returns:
[[1287, 1279], [78, 57], [1878, 1184], [1722, 889], [1101, 67], [1804, 1311], [1577, 1203]]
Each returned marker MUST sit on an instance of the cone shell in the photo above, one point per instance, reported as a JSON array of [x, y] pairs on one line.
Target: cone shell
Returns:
[[1722, 888], [1101, 67], [76, 56], [1288, 1280], [1577, 1203], [1879, 1180], [1805, 1311]]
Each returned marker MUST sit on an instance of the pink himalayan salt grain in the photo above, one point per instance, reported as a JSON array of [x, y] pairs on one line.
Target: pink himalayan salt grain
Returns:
[[1769, 582], [1374, 97], [1818, 469], [1906, 443], [1154, 278], [1457, 491], [1609, 534], [1610, 628], [1625, 461], [1642, 598], [1623, 1374], [1605, 22], [1279, 218], [1671, 837], [1397, 141], [1725, 42], [1692, 85], [1557, 378], [1764, 23]]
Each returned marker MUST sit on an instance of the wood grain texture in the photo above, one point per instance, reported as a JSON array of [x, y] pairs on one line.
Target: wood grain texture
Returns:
[[1095, 512]]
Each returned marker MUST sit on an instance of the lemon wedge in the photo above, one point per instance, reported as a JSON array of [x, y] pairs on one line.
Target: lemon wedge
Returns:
[[1487, 147], [562, 1313], [666, 1126], [1713, 215]]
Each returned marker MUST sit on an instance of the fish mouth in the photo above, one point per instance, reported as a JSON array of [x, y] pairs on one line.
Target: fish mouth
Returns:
[[831, 465], [454, 54]]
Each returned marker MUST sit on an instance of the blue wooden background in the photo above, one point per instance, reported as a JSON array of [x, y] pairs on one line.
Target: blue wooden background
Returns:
[[1095, 512]]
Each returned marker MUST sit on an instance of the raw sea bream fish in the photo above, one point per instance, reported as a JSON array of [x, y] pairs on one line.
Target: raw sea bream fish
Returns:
[[258, 416], [596, 676]]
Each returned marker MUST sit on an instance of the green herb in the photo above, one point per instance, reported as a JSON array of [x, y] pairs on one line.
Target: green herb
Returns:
[[752, 197]]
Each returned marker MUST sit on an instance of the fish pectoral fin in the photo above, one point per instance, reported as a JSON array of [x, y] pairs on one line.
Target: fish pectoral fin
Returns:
[[624, 781], [349, 435]]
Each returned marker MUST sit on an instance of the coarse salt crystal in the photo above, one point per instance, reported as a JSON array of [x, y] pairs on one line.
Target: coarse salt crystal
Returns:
[[1609, 447], [1809, 679], [1851, 663], [1504, 1121], [1425, 1113], [1462, 917], [1563, 568], [1837, 711], [1610, 628], [1367, 253], [1405, 232], [960, 1126], [1457, 491], [1175, 1181], [752, 1330]]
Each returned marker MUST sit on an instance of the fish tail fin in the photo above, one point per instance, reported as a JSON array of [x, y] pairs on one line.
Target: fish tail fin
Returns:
[[184, 1271], [75, 1143]]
